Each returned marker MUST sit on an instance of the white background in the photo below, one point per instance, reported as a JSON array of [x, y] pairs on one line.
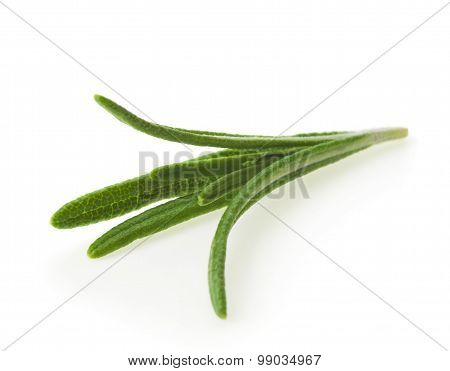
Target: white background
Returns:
[[237, 66]]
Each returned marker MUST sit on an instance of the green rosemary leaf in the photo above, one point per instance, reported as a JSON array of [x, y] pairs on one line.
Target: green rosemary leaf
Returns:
[[210, 139], [132, 194], [271, 174], [121, 198]]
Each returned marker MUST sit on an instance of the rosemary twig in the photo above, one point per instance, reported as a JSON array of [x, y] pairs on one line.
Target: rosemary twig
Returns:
[[236, 177]]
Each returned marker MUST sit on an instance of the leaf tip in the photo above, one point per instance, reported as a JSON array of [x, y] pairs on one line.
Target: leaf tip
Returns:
[[55, 221], [100, 99], [222, 313], [93, 253]]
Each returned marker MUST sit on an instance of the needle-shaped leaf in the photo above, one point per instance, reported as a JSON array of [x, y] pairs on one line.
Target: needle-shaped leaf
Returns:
[[121, 198], [164, 182], [210, 139], [271, 174]]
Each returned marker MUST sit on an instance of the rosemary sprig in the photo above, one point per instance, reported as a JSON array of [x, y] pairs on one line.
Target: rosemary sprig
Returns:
[[236, 177]]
